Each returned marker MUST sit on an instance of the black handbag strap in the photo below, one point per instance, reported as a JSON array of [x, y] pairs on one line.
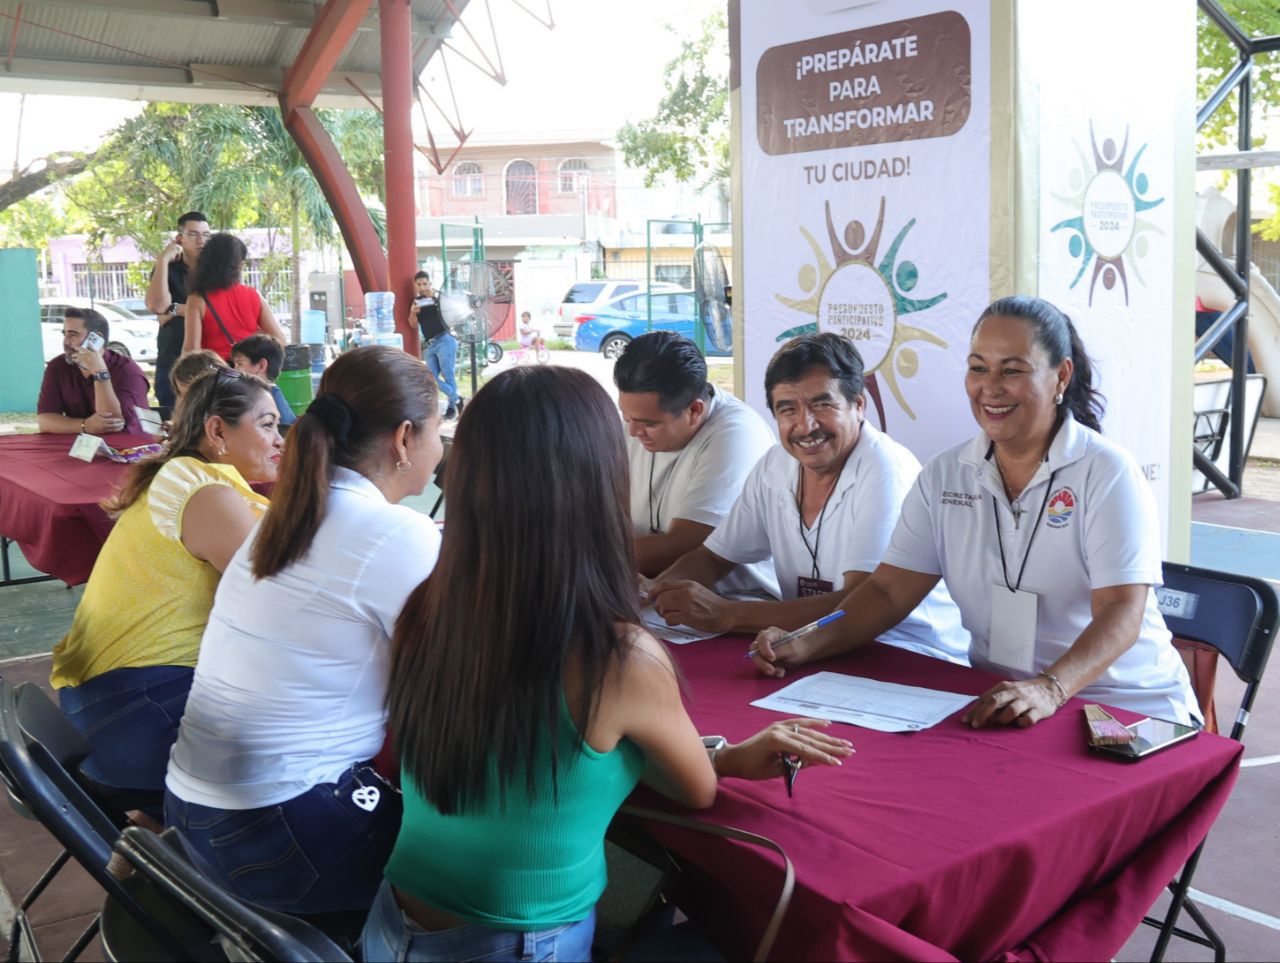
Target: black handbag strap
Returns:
[[221, 327]]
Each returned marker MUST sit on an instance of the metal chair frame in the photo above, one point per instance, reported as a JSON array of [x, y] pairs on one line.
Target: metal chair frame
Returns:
[[205, 915], [42, 786], [1242, 627]]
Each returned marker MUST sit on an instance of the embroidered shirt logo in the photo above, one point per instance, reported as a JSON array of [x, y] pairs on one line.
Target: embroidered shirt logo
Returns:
[[962, 499], [1062, 504]]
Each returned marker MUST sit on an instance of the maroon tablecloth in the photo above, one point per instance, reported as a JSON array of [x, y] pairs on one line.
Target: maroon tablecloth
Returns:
[[49, 501], [943, 844]]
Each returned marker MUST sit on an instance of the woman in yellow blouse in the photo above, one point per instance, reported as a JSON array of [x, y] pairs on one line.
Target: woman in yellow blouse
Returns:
[[124, 669]]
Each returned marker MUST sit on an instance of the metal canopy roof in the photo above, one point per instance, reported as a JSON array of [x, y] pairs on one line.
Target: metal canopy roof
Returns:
[[193, 51]]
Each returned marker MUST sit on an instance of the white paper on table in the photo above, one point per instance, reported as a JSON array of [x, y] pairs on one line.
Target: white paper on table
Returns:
[[883, 706], [149, 420], [86, 446], [675, 634]]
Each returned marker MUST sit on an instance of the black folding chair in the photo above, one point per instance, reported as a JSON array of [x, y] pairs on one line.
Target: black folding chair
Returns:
[[39, 719], [42, 788], [205, 919], [437, 477], [1236, 616]]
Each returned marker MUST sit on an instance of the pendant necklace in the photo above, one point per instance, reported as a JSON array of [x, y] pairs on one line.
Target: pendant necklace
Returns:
[[1015, 509]]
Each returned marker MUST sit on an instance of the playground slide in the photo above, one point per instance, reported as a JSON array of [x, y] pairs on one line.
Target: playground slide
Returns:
[[1264, 325]]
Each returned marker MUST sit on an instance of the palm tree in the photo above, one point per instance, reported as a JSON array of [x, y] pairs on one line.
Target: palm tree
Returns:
[[237, 164], [286, 187]]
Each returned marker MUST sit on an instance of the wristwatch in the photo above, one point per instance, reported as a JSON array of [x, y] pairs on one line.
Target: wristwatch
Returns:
[[103, 375], [713, 745]]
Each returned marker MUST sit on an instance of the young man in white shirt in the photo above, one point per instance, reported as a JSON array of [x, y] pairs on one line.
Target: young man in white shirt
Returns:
[[690, 449], [822, 504]]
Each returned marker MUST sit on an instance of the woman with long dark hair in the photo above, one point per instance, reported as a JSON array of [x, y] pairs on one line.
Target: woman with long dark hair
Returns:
[[1045, 532], [271, 783], [221, 310], [525, 700], [124, 669]]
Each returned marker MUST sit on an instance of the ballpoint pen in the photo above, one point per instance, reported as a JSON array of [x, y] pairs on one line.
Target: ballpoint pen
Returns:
[[802, 631]]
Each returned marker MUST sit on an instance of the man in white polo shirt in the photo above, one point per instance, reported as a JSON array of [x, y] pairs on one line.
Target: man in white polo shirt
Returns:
[[690, 449], [822, 504]]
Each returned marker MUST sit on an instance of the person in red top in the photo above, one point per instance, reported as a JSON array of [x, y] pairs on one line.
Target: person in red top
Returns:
[[221, 310]]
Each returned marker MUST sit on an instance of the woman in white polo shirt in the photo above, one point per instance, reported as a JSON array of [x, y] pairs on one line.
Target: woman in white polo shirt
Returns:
[[270, 783], [1046, 536]]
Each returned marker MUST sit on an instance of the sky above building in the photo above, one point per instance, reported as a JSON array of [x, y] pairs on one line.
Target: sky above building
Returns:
[[601, 66]]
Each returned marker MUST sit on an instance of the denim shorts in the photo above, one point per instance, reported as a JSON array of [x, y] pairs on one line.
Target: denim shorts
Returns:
[[321, 852], [130, 718], [391, 936]]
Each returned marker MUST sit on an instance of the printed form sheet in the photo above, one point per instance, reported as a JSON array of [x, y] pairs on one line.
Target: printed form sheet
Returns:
[[883, 706], [675, 634]]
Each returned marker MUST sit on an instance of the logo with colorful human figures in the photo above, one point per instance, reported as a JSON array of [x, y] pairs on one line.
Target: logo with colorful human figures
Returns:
[[1062, 504]]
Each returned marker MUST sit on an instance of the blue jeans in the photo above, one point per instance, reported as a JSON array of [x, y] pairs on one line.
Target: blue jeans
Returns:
[[441, 355], [130, 718], [320, 852], [391, 936]]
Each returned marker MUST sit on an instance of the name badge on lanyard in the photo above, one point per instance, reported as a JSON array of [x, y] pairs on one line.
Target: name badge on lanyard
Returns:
[[809, 587], [1012, 641]]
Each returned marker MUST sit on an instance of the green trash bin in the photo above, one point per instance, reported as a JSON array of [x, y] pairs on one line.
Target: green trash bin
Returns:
[[295, 377]]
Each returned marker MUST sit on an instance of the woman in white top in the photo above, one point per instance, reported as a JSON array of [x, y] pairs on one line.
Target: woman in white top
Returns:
[[1045, 533], [270, 783]]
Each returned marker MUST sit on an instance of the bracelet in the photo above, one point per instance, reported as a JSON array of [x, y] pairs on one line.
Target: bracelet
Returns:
[[1057, 685]]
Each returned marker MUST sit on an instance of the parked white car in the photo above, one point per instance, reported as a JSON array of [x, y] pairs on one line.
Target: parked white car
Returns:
[[130, 335], [586, 295]]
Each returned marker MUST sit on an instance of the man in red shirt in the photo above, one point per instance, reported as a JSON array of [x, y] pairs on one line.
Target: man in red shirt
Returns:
[[86, 390]]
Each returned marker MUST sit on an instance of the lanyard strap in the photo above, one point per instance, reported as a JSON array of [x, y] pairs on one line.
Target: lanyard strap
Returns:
[[654, 517], [817, 538], [1035, 525]]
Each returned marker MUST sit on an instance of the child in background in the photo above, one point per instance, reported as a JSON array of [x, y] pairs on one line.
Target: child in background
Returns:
[[262, 355], [189, 365]]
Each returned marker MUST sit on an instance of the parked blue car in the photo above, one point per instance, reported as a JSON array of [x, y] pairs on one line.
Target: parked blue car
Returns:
[[609, 329]]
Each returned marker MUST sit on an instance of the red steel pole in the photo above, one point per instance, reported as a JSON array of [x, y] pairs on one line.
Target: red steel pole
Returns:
[[397, 133]]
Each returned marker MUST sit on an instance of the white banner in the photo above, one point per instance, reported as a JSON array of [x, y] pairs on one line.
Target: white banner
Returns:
[[1106, 210], [865, 180]]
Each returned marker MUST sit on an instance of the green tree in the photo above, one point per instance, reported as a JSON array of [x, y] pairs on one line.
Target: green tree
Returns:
[[288, 192], [1216, 56], [237, 164], [688, 136], [160, 163]]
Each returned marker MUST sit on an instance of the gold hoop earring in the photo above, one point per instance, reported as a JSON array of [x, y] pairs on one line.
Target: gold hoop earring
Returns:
[[403, 465]]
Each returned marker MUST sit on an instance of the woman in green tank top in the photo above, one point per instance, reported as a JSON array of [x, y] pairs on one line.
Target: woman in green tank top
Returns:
[[525, 700]]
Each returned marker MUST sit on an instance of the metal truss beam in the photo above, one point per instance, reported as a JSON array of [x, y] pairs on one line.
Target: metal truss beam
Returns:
[[333, 29]]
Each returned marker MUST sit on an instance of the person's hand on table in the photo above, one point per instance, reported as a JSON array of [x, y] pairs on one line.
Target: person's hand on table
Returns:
[[684, 602], [773, 662], [760, 757], [100, 424], [1025, 703]]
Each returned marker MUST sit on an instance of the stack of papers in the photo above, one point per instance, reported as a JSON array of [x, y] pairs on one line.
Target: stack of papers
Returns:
[[883, 706], [675, 634]]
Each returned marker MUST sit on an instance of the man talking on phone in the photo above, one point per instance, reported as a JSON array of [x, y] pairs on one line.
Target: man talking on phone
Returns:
[[439, 346], [167, 295], [89, 389]]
